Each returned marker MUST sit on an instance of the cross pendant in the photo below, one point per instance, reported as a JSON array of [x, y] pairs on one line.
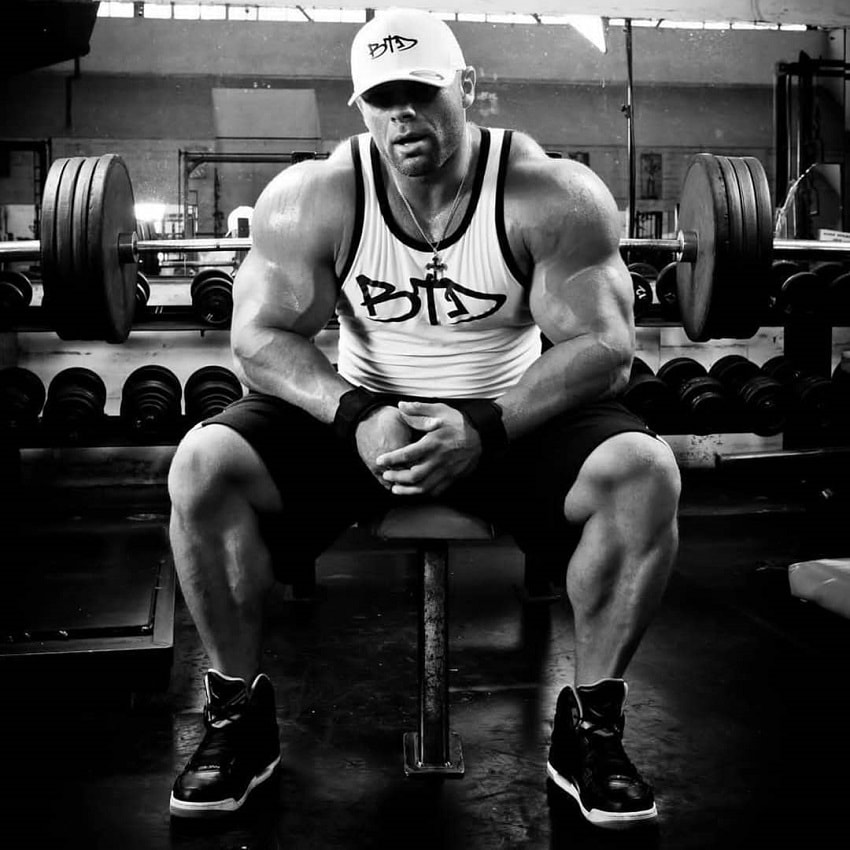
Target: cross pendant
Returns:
[[436, 267]]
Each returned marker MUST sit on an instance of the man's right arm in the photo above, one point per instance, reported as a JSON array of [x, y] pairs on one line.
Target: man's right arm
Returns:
[[284, 294], [285, 291]]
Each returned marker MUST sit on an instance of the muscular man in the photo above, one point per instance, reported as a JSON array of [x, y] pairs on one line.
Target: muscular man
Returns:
[[445, 249]]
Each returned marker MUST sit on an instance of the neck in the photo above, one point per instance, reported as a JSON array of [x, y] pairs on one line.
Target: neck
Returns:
[[429, 194], [435, 199]]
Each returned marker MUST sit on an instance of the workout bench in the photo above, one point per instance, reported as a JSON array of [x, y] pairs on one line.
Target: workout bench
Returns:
[[433, 750]]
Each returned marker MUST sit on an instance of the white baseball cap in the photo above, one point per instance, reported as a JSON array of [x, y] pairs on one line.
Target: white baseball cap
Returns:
[[404, 44]]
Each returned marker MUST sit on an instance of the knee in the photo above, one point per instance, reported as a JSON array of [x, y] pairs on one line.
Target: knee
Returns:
[[197, 471], [632, 471], [651, 469]]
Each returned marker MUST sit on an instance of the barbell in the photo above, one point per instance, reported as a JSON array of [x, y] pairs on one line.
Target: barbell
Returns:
[[724, 249]]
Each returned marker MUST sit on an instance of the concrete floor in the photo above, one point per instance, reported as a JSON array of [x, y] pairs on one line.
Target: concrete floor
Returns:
[[737, 714]]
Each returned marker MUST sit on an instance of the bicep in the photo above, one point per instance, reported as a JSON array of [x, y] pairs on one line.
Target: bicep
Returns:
[[298, 295], [567, 301]]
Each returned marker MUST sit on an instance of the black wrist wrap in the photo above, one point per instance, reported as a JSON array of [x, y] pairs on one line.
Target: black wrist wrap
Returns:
[[354, 405], [486, 417]]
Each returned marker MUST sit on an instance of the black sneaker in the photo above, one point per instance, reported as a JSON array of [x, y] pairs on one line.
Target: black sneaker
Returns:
[[238, 752], [587, 761]]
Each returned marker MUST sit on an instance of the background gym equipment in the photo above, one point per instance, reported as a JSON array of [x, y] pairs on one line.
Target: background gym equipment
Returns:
[[22, 396], [212, 297], [810, 396], [650, 398], [642, 289], [88, 263], [799, 295], [761, 398], [151, 403], [702, 398], [149, 262], [15, 296], [90, 249], [143, 294], [667, 292], [208, 391], [838, 298], [74, 408]]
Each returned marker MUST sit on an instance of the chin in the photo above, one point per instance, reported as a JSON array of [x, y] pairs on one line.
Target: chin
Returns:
[[415, 166]]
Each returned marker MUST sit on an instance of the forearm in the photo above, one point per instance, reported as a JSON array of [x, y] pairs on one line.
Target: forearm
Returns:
[[571, 373], [289, 366]]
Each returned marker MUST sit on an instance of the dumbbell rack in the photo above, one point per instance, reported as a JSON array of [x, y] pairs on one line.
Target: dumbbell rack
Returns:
[[94, 596]]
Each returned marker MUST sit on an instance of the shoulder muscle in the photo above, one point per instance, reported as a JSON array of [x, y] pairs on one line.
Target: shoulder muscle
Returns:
[[300, 225], [561, 207]]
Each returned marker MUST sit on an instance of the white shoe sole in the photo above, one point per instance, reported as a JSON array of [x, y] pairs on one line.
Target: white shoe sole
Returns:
[[211, 808], [606, 820]]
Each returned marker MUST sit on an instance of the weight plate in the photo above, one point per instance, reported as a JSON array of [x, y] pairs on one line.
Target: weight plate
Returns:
[[65, 246], [749, 300], [62, 293], [111, 212], [704, 210], [763, 259], [726, 301], [50, 271], [85, 316]]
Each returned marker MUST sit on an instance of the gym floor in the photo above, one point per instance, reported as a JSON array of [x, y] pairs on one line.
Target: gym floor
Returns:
[[736, 713]]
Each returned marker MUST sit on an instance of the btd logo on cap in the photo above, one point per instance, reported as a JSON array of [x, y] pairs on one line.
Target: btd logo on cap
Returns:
[[393, 43]]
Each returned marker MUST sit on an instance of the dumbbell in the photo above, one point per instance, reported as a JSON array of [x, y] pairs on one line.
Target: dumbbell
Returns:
[[838, 299], [74, 408], [148, 261], [208, 391], [15, 296], [841, 389], [646, 270], [796, 292], [649, 397], [642, 289], [151, 402], [810, 395], [22, 395], [212, 297], [143, 294], [702, 397], [667, 292], [828, 270], [762, 398]]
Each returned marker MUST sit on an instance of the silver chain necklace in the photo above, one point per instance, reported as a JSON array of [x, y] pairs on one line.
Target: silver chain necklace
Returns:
[[436, 267]]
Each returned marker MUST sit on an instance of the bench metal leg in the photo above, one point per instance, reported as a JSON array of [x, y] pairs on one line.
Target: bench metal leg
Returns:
[[433, 750]]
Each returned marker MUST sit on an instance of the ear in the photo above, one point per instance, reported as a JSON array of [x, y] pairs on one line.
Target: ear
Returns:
[[359, 104], [467, 86]]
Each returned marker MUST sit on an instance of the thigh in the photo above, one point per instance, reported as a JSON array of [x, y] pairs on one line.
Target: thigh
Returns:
[[524, 493], [324, 486]]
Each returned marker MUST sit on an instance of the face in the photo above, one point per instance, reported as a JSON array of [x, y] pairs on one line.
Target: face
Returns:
[[418, 127]]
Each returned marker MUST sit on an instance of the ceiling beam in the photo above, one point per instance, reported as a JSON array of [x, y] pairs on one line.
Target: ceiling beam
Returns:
[[821, 13]]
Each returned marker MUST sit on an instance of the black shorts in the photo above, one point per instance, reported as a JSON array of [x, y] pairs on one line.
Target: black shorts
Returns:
[[325, 487]]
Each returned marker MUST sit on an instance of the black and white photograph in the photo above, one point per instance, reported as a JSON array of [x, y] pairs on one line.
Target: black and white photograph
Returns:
[[345, 504]]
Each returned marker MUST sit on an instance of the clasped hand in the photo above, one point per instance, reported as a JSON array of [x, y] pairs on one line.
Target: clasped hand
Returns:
[[418, 448]]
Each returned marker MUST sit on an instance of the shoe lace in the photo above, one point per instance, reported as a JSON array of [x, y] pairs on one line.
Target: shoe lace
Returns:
[[217, 746], [605, 754]]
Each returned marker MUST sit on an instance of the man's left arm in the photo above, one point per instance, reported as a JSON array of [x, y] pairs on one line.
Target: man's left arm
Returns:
[[581, 298]]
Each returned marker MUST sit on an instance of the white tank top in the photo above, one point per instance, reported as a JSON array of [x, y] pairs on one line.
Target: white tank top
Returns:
[[468, 334]]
